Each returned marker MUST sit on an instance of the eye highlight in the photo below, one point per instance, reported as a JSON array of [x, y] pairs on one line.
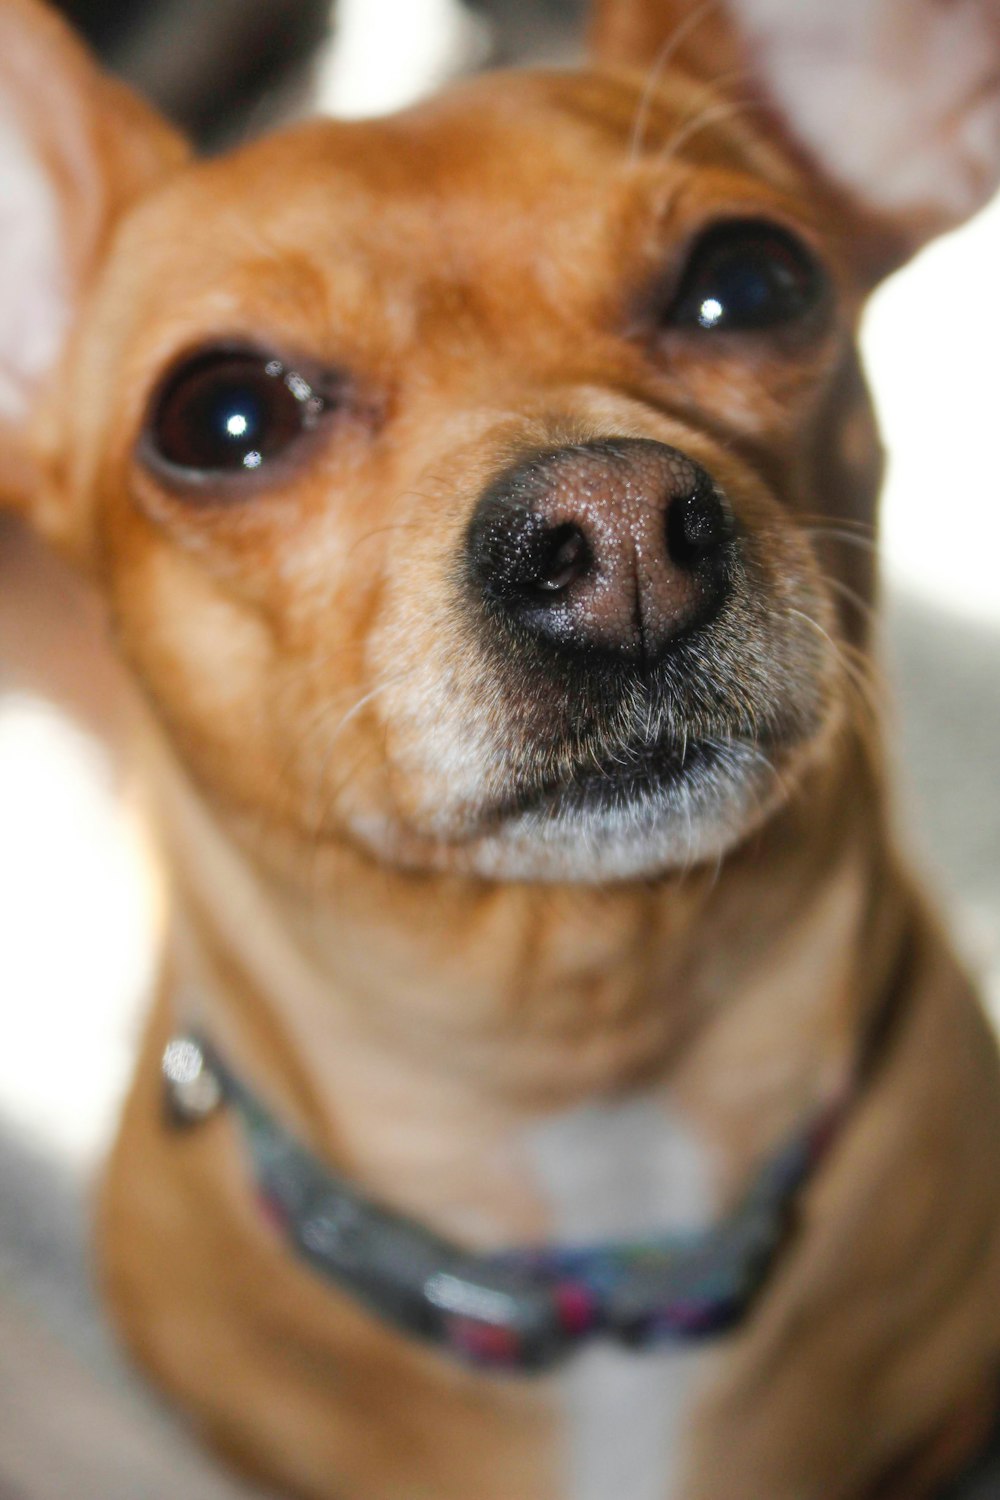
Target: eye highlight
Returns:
[[744, 277], [227, 413]]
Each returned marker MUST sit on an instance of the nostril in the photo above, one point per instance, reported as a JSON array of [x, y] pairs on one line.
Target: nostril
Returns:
[[564, 557], [521, 559], [698, 525]]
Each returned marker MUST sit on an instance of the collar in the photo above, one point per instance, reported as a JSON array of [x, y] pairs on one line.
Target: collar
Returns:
[[523, 1309]]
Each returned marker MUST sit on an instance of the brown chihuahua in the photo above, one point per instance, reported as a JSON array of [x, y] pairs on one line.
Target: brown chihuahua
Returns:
[[569, 1096]]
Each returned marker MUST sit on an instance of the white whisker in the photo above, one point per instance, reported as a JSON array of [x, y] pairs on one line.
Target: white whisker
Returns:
[[661, 62], [713, 114]]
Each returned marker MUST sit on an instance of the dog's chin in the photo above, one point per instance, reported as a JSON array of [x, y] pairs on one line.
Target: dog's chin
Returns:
[[639, 815], [644, 814]]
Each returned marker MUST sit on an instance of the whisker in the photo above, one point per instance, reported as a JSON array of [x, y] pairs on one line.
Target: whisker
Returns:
[[858, 674], [836, 534], [661, 62], [284, 801], [381, 531], [728, 109], [864, 606], [808, 518], [319, 807]]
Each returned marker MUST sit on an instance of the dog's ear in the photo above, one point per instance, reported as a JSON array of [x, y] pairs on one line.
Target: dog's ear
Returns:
[[76, 148], [894, 104]]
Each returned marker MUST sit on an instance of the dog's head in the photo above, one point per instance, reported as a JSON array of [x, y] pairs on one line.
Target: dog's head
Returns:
[[460, 482]]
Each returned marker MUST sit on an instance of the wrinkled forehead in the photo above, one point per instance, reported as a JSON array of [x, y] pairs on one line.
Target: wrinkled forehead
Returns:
[[495, 175]]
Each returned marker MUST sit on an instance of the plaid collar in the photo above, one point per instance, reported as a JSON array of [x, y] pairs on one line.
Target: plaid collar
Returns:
[[522, 1309]]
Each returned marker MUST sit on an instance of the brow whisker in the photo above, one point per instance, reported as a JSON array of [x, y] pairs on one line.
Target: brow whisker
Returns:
[[712, 114], [664, 57]]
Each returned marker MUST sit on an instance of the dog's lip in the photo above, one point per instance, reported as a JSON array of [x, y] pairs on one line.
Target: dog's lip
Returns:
[[628, 778]]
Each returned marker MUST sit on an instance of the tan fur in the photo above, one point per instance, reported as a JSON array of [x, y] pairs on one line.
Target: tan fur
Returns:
[[323, 736]]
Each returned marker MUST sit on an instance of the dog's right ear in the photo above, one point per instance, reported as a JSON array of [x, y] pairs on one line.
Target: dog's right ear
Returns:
[[76, 148]]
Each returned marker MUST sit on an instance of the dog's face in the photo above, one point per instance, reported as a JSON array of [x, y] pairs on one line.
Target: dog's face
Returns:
[[451, 474], [458, 480]]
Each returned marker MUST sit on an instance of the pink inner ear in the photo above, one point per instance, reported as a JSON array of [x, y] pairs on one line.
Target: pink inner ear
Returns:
[[899, 99], [34, 297]]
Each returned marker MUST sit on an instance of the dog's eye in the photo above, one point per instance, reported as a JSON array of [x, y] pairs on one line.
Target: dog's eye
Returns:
[[744, 277], [230, 411]]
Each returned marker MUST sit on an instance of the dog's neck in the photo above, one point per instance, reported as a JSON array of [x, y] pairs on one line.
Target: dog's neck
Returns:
[[747, 1003]]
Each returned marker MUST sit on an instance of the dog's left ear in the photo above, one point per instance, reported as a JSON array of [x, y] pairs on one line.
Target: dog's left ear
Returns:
[[76, 148], [893, 104]]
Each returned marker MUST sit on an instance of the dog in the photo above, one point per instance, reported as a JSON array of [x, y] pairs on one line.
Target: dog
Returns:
[[558, 1087]]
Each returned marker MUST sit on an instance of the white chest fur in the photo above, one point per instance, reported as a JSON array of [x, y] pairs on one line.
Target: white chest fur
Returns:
[[612, 1171]]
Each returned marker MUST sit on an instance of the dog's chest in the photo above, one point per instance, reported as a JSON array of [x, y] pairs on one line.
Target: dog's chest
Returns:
[[614, 1172]]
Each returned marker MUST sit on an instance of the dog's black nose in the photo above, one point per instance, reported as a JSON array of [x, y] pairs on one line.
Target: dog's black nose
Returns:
[[618, 546]]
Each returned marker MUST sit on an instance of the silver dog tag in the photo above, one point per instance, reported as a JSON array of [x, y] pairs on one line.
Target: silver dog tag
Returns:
[[193, 1089]]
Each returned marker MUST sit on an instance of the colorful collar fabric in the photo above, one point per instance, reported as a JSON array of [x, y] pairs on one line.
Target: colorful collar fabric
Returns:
[[520, 1309]]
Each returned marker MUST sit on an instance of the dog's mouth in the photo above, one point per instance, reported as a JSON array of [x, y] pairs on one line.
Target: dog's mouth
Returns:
[[604, 784], [634, 778], [632, 810]]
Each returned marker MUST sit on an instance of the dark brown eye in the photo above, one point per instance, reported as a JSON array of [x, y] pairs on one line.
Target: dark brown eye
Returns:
[[744, 277], [227, 412]]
